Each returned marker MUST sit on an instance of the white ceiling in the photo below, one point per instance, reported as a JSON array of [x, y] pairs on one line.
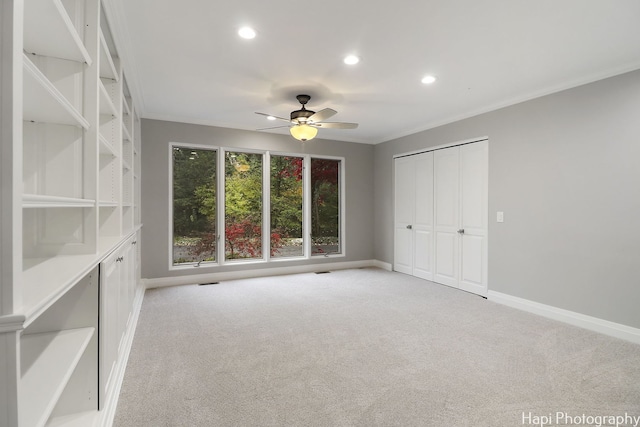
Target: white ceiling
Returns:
[[185, 61]]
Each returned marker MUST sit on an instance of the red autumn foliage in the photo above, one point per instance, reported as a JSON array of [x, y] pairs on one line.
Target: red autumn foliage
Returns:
[[244, 240], [322, 170]]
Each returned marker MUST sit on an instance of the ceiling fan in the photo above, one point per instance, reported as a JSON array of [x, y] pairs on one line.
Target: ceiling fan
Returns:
[[303, 124]]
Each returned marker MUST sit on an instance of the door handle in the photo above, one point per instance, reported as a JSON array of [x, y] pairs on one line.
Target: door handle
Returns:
[[409, 227], [461, 231]]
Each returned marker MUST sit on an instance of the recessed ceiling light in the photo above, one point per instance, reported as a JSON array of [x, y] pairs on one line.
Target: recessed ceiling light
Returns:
[[428, 80], [270, 118], [351, 59], [247, 33]]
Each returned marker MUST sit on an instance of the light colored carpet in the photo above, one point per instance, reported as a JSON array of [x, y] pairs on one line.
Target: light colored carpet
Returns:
[[362, 347]]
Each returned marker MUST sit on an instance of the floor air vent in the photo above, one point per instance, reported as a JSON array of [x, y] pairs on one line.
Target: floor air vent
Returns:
[[322, 272], [207, 284]]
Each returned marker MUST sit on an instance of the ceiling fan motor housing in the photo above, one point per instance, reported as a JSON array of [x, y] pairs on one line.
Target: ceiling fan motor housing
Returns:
[[303, 114]]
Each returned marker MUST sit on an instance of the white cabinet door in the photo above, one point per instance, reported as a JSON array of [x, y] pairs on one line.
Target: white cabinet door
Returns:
[[473, 217], [125, 303], [404, 190], [447, 215], [108, 335], [117, 293]]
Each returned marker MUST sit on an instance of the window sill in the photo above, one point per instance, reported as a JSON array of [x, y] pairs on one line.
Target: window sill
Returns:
[[237, 262]]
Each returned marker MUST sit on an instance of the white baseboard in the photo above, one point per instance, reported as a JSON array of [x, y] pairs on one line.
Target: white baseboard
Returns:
[[262, 272], [576, 319], [383, 265]]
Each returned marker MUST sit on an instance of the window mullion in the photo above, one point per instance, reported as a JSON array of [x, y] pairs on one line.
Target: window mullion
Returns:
[[266, 206], [342, 208], [306, 194], [220, 205]]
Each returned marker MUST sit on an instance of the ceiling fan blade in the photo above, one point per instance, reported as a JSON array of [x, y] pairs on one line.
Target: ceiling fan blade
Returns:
[[322, 115], [274, 127], [336, 125], [275, 117]]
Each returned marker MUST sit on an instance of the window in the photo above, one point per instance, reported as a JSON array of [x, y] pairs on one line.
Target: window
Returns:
[[234, 206], [194, 205], [286, 207], [325, 206], [243, 205]]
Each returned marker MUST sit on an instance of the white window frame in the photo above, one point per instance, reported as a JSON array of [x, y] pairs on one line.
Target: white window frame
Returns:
[[342, 206], [306, 199], [266, 207], [186, 265], [221, 202]]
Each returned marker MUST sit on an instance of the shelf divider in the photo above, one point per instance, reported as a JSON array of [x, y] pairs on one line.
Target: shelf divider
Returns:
[[107, 204], [43, 201]]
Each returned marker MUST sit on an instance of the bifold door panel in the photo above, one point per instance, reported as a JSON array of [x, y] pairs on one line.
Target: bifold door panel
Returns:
[[474, 217], [441, 216], [413, 253]]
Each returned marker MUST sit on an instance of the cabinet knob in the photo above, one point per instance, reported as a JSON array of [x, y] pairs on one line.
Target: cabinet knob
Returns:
[[461, 231], [409, 227]]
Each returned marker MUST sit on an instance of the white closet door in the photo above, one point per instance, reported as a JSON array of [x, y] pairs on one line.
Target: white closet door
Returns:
[[474, 221], [423, 217], [441, 216], [447, 215], [404, 213]]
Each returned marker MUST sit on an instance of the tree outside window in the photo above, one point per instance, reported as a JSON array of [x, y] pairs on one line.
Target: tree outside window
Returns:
[[286, 206], [243, 205], [194, 205], [325, 206]]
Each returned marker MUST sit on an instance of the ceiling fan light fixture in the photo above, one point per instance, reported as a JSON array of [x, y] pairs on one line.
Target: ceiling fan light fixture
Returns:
[[303, 132]]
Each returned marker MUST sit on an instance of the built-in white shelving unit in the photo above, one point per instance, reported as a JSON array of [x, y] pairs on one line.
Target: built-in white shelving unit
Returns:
[[71, 157]]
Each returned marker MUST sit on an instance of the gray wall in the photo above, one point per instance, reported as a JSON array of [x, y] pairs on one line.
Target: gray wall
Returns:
[[565, 169], [156, 136]]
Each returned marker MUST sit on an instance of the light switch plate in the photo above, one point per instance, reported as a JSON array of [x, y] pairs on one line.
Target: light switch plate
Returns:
[[500, 217]]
